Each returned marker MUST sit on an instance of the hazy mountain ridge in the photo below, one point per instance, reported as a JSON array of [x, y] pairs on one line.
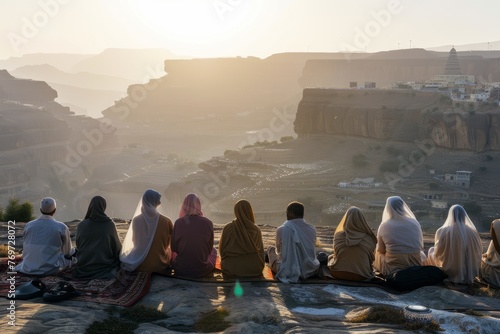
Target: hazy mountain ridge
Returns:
[[394, 66], [91, 82], [471, 47], [138, 65], [63, 61], [51, 74]]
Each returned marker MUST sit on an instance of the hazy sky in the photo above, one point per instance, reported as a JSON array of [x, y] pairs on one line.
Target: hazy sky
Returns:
[[207, 28]]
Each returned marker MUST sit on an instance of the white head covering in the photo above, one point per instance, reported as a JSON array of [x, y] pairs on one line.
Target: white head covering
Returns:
[[47, 205], [399, 232], [396, 208], [457, 247], [141, 231]]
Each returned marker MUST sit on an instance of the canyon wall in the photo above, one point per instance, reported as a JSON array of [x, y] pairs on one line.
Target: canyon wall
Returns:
[[219, 86], [228, 86], [44, 148], [397, 115]]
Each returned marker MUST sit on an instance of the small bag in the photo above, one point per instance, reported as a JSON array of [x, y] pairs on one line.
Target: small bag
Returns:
[[415, 277]]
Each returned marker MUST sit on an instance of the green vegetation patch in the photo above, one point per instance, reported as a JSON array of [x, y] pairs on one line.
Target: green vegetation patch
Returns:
[[112, 325], [141, 313], [472, 207], [434, 186], [17, 211], [389, 166], [359, 160], [125, 321], [212, 321]]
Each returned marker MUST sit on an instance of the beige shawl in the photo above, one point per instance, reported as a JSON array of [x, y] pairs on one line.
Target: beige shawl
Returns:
[[354, 245], [457, 247], [241, 247]]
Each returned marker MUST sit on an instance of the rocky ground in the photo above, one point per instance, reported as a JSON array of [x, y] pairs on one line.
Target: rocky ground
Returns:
[[264, 307]]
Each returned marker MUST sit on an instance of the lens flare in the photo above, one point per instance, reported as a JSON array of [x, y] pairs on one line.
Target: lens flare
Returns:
[[238, 289]]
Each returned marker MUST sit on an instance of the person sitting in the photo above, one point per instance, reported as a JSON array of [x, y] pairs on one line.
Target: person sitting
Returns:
[[97, 243], [294, 256], [457, 247], [240, 246], [193, 240], [146, 246], [353, 248], [490, 264], [47, 244], [399, 238]]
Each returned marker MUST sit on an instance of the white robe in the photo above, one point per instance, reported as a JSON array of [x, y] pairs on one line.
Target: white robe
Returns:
[[298, 251], [45, 242], [457, 247], [399, 238]]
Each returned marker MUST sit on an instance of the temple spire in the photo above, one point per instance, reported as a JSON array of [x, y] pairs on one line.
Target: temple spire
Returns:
[[452, 66]]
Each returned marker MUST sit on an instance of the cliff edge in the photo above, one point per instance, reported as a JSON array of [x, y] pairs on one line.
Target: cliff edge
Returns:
[[398, 115]]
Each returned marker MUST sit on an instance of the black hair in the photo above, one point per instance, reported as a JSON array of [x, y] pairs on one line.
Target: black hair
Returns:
[[296, 208]]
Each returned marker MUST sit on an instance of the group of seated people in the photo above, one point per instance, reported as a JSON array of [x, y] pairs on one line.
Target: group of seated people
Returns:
[[153, 243]]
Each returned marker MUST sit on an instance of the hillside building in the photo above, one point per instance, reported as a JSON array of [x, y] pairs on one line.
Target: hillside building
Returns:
[[459, 179]]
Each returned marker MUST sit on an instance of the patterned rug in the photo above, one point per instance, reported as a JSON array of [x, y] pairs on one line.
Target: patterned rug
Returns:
[[125, 290]]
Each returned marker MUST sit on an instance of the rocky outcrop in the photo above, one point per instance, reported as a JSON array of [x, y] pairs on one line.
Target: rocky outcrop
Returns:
[[41, 142], [220, 86], [25, 90], [265, 307], [227, 86], [397, 115]]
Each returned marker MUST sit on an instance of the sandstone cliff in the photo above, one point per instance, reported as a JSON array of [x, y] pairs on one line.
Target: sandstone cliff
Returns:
[[221, 86], [397, 115]]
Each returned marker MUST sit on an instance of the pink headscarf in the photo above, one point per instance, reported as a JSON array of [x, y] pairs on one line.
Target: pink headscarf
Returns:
[[191, 206]]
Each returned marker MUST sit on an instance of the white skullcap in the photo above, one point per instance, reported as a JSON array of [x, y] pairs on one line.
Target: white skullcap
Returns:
[[47, 205]]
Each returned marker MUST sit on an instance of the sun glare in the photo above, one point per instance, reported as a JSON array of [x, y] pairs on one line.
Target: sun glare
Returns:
[[176, 18], [198, 23]]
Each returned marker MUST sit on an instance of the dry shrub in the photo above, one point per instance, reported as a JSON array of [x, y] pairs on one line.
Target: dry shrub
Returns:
[[384, 314], [212, 321]]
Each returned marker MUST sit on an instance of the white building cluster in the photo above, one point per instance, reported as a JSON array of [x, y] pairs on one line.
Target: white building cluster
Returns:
[[457, 86]]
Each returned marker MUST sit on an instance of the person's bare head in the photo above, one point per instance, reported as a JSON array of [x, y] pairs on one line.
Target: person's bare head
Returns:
[[295, 210]]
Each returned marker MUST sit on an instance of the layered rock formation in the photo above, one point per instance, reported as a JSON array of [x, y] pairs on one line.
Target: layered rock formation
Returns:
[[224, 86], [31, 136], [397, 115], [41, 141], [220, 86]]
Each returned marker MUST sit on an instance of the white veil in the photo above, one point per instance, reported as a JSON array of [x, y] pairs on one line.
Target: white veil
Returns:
[[141, 231], [399, 229], [456, 238], [395, 207]]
